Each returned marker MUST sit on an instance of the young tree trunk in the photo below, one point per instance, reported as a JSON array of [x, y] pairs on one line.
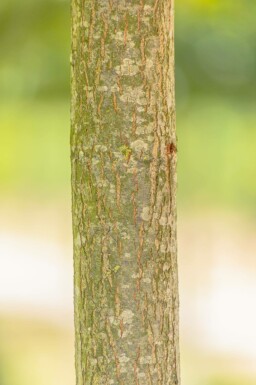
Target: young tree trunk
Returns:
[[123, 154]]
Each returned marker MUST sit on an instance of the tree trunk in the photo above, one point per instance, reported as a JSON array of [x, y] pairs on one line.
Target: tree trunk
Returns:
[[123, 154]]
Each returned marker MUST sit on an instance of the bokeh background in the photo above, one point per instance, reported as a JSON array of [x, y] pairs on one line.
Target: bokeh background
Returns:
[[216, 124]]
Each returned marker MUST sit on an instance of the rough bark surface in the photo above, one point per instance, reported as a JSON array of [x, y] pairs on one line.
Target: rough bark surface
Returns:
[[123, 154]]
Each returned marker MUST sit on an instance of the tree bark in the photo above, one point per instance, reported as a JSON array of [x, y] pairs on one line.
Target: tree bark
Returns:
[[123, 155]]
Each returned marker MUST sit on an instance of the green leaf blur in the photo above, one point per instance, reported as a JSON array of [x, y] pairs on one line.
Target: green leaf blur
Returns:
[[215, 86]]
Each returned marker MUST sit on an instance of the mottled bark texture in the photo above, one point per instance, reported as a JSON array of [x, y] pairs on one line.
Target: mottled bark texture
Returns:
[[123, 153]]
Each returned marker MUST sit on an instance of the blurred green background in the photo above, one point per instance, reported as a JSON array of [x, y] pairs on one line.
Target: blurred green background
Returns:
[[216, 119]]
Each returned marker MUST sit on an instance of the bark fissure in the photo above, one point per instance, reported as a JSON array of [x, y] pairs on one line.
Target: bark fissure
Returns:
[[123, 154]]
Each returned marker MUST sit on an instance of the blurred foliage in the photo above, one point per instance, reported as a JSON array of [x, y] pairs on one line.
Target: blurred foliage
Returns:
[[35, 40], [215, 86], [35, 148], [216, 48]]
